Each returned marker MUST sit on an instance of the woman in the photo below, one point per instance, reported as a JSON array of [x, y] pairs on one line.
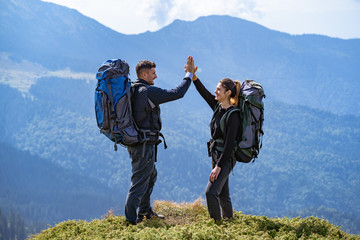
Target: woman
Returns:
[[217, 191]]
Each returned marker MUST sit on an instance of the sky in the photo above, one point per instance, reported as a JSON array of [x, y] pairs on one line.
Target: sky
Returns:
[[334, 18]]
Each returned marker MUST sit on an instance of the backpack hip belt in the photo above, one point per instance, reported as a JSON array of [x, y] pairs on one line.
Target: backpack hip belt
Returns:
[[215, 146]]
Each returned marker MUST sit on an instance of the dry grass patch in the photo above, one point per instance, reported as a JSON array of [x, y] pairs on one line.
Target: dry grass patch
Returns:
[[181, 213]]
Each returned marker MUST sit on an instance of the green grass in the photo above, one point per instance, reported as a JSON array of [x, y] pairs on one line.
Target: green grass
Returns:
[[191, 221]]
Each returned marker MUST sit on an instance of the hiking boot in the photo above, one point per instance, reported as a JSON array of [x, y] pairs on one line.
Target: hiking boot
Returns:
[[148, 215]]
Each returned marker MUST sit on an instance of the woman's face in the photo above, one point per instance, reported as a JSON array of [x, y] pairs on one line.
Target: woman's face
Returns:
[[221, 94]]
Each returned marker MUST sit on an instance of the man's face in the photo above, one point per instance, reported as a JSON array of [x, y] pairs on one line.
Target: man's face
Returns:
[[150, 75]]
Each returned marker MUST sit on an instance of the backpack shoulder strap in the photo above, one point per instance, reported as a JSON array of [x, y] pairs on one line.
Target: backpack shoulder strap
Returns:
[[135, 85], [223, 122], [225, 118], [217, 107]]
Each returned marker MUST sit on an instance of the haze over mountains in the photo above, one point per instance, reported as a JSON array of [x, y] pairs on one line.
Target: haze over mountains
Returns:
[[306, 69], [310, 158]]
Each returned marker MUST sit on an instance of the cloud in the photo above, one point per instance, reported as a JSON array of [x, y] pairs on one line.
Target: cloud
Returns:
[[160, 12], [125, 16], [22, 74], [190, 10], [338, 18], [136, 16]]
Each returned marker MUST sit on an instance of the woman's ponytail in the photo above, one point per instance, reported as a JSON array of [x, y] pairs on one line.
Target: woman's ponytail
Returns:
[[235, 100]]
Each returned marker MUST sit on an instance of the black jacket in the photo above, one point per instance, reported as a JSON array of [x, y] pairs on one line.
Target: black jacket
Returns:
[[146, 116], [232, 128]]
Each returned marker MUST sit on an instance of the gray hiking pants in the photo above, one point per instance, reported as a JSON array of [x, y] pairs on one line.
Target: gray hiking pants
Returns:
[[143, 178], [218, 194]]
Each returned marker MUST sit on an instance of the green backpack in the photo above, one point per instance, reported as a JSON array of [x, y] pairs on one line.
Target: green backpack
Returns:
[[251, 110]]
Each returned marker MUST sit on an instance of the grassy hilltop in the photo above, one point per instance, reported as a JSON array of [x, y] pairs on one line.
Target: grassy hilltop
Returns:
[[191, 221]]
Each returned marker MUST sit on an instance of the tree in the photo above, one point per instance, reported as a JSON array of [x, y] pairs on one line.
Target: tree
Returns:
[[14, 229], [4, 234], [11, 225], [20, 232]]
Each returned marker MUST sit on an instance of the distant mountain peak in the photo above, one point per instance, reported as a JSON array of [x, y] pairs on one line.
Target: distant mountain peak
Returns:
[[216, 23]]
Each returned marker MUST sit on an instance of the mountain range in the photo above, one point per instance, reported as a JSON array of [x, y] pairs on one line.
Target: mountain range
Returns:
[[49, 55], [311, 70]]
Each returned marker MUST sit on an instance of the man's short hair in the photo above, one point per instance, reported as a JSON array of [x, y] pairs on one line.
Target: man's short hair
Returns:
[[144, 65]]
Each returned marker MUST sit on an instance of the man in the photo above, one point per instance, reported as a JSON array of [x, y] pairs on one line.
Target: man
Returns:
[[146, 112]]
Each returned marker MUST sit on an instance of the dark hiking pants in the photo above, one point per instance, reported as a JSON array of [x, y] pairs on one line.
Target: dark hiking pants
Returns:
[[143, 178], [218, 194]]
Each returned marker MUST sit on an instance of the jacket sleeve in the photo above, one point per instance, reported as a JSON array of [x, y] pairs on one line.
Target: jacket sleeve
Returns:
[[158, 95], [232, 130], [207, 96]]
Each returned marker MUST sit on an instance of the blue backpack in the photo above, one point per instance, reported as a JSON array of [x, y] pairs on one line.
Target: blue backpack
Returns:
[[113, 103]]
